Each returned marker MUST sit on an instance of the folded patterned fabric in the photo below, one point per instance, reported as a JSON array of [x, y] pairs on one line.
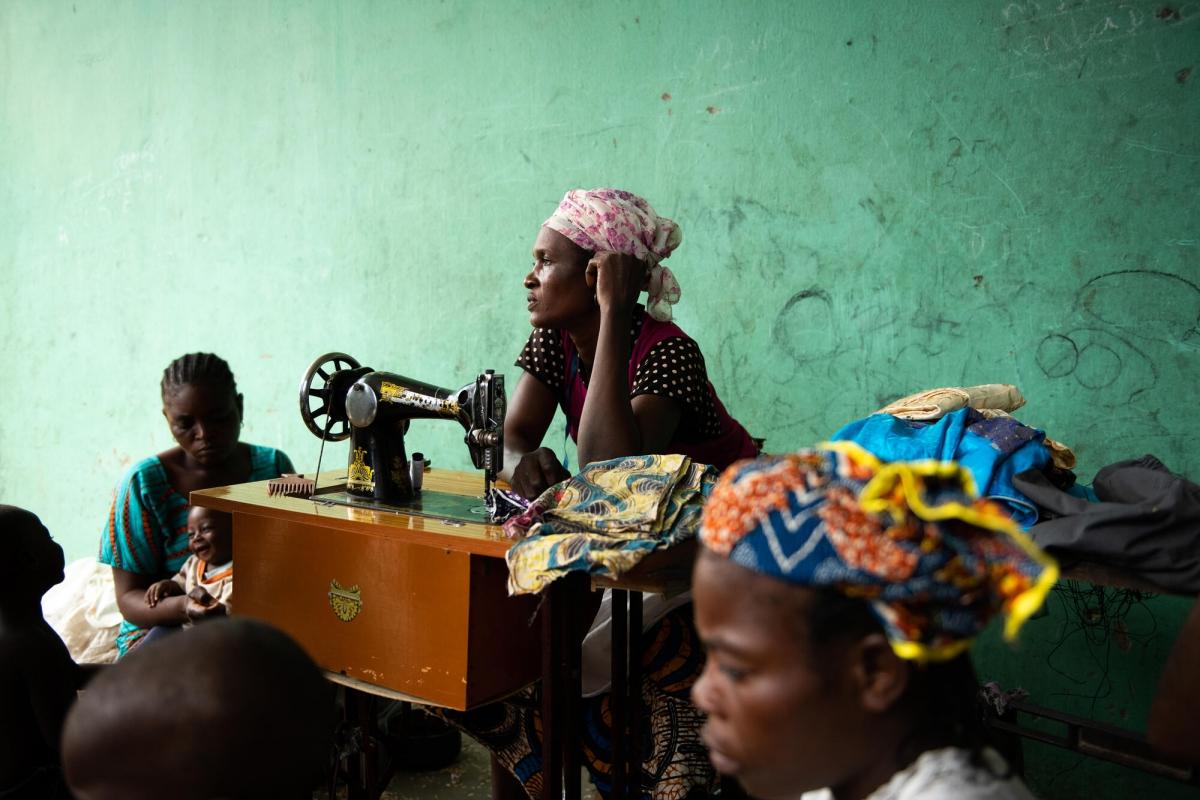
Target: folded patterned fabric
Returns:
[[607, 518], [993, 449], [1062, 456], [934, 404], [989, 399], [503, 504]]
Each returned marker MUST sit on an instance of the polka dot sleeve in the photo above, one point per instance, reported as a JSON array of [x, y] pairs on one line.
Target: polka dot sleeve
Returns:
[[674, 368], [543, 358]]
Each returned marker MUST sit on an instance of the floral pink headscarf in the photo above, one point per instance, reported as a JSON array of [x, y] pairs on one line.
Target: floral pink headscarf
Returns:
[[621, 222]]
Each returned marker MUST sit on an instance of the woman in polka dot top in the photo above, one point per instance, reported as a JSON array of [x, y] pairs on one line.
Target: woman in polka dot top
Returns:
[[628, 379]]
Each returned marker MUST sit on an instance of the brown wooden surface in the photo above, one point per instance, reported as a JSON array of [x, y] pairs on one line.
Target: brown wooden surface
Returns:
[[435, 621], [470, 537], [667, 572]]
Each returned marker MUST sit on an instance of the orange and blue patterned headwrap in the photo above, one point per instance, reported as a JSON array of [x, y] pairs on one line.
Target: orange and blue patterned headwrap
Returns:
[[913, 539]]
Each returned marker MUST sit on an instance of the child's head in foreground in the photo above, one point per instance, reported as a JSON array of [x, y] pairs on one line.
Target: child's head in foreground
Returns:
[[233, 709], [836, 597], [32, 561]]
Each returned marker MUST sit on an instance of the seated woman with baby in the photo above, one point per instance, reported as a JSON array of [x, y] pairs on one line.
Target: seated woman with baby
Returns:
[[148, 536]]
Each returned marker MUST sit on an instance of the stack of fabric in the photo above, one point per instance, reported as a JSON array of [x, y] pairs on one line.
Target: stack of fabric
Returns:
[[607, 518], [1137, 516], [971, 426]]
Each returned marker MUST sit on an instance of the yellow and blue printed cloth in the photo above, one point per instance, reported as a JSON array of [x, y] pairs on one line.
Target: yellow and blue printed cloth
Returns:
[[913, 539], [607, 518]]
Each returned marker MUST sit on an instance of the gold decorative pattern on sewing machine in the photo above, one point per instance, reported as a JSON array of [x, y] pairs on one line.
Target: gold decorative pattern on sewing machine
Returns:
[[346, 603], [359, 474], [403, 396]]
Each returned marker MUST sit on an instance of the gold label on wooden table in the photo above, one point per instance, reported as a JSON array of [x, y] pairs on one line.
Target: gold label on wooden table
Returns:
[[346, 603]]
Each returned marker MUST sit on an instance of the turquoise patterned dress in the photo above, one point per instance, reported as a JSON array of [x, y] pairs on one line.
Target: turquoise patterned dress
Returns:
[[146, 532]]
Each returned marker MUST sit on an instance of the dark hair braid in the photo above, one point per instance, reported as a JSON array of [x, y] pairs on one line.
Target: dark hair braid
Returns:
[[198, 368]]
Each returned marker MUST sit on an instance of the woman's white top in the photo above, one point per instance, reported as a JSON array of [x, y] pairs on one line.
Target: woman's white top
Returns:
[[946, 774], [597, 645]]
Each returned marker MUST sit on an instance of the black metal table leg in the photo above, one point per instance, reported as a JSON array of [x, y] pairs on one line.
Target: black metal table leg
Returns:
[[618, 693], [577, 586], [363, 773], [633, 758], [552, 680], [562, 687]]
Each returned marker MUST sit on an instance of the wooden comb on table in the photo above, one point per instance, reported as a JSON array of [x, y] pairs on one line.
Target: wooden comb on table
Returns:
[[291, 484]]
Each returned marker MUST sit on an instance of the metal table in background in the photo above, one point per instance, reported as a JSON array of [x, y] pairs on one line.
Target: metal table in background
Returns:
[[1085, 736]]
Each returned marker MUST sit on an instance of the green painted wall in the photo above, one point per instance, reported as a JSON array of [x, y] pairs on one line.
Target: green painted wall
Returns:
[[875, 198]]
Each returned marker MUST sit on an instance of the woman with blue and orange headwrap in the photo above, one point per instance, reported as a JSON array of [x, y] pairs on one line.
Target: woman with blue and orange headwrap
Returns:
[[837, 597]]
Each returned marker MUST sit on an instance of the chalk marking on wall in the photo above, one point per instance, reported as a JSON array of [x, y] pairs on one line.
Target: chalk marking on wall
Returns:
[[132, 168], [938, 110], [1010, 189], [1096, 358], [735, 88], [873, 122], [1132, 143], [1036, 7], [1107, 22], [978, 242], [1172, 321], [618, 126], [1048, 44]]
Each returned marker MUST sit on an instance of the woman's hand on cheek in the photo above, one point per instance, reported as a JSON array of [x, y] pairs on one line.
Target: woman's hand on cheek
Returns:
[[536, 472], [617, 279]]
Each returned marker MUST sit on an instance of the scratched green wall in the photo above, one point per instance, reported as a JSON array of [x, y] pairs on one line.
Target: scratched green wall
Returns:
[[875, 197]]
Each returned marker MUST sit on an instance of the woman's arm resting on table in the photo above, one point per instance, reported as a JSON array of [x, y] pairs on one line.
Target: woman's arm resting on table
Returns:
[[131, 599], [530, 468]]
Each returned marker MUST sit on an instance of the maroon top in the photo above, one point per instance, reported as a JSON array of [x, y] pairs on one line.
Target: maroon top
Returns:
[[663, 361]]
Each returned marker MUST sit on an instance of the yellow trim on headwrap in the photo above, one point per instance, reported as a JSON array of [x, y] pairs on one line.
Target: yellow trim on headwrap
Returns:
[[876, 498], [854, 450], [1027, 602], [924, 653]]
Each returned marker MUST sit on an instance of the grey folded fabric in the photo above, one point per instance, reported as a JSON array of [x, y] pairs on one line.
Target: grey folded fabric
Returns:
[[1147, 521]]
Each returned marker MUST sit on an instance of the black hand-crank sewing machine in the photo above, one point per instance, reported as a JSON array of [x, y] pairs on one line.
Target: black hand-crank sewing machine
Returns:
[[340, 399]]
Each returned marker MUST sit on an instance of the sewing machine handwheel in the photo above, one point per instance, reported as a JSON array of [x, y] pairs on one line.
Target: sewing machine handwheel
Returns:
[[316, 392]]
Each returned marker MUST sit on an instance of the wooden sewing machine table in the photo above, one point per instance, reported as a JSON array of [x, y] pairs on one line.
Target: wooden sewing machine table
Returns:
[[402, 605], [416, 608]]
